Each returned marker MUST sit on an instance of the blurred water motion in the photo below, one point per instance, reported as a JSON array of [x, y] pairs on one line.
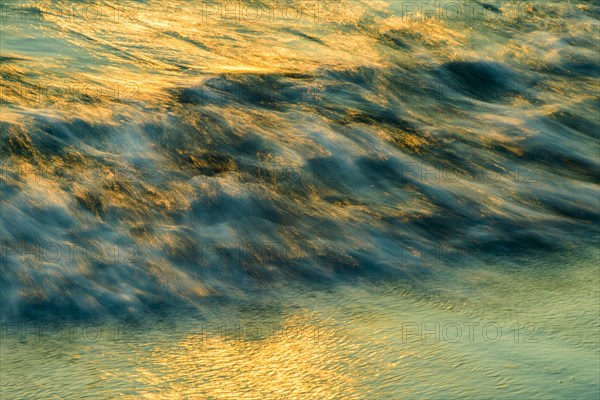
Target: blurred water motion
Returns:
[[184, 155]]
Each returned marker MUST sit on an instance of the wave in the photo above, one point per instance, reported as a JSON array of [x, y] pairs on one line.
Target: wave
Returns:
[[207, 171]]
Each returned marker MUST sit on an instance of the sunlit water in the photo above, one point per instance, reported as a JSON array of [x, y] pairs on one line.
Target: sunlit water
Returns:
[[487, 334], [327, 180]]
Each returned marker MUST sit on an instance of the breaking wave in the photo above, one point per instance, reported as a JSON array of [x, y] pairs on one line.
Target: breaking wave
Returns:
[[162, 154]]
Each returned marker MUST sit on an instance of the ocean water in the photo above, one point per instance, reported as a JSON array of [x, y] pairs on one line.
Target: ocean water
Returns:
[[300, 199]]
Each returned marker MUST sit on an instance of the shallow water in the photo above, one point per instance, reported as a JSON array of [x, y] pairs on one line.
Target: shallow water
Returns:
[[369, 165], [471, 333]]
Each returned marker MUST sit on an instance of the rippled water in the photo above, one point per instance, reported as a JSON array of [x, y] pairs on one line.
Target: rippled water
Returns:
[[473, 333], [369, 165]]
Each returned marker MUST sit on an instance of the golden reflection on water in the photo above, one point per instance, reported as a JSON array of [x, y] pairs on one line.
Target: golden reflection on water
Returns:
[[293, 360]]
